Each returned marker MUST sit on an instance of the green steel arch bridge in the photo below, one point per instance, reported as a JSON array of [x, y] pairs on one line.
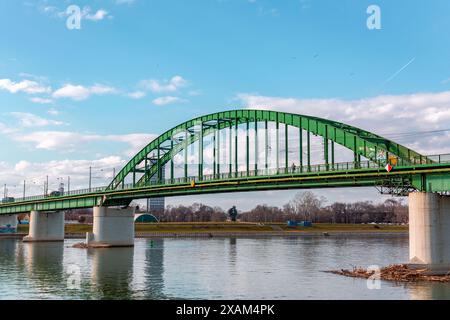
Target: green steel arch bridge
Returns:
[[228, 135]]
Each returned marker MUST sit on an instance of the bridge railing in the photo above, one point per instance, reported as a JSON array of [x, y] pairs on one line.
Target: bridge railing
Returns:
[[317, 168], [49, 196], [439, 158], [431, 159]]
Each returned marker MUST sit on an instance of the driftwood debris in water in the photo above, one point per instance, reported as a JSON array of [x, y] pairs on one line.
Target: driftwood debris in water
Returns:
[[83, 245], [80, 245], [397, 272]]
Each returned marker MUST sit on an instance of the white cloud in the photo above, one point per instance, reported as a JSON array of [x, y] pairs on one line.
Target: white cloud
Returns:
[[79, 92], [53, 111], [26, 86], [35, 174], [384, 115], [75, 92], [66, 141], [22, 165], [162, 101], [137, 94], [55, 140], [171, 85], [86, 12], [102, 89], [136, 141], [97, 16], [6, 130], [31, 120], [41, 100]]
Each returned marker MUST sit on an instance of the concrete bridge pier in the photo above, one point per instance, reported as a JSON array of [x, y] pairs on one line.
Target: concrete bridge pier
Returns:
[[45, 226], [113, 227], [429, 231]]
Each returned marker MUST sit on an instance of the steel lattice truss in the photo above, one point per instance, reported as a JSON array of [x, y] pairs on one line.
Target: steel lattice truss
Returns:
[[161, 151]]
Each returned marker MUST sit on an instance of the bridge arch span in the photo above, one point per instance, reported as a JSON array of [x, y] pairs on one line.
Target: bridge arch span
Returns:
[[149, 162]]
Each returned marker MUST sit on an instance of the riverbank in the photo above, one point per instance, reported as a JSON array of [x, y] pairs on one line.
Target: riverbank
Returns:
[[229, 229]]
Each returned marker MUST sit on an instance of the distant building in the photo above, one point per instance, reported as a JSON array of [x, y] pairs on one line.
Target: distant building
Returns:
[[156, 204]]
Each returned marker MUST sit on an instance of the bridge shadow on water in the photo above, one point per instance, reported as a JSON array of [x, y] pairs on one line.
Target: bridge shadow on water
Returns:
[[128, 273]]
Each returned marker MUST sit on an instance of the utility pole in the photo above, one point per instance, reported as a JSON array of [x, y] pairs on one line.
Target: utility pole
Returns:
[[46, 186]]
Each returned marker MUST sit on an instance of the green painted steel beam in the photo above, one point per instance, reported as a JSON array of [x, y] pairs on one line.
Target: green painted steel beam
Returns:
[[427, 177], [286, 148], [236, 147], [247, 147]]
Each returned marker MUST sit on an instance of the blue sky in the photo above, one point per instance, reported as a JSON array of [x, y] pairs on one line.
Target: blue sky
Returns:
[[94, 96]]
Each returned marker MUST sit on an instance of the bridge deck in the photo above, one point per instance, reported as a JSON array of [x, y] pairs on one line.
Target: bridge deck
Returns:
[[431, 177]]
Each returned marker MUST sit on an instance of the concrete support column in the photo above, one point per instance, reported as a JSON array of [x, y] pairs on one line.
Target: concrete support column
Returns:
[[46, 226], [429, 231], [8, 223], [112, 228]]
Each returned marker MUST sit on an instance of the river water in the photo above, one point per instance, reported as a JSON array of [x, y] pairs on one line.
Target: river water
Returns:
[[213, 268]]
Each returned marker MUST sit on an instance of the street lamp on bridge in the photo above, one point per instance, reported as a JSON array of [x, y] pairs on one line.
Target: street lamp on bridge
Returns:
[[97, 177]]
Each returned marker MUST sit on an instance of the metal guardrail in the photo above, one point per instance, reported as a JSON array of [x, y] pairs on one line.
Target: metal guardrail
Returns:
[[343, 166]]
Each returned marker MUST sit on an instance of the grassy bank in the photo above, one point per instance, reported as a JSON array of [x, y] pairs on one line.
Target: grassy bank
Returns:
[[211, 227]]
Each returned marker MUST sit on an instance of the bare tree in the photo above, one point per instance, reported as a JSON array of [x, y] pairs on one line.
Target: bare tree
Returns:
[[307, 205]]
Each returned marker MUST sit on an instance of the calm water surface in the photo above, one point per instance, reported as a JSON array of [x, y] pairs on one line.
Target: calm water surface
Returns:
[[215, 268]]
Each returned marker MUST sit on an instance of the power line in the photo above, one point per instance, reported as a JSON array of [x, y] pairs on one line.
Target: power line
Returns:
[[411, 133]]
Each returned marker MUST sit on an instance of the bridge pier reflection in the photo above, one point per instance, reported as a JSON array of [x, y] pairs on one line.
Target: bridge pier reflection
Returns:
[[429, 291], [154, 269], [44, 264], [112, 272]]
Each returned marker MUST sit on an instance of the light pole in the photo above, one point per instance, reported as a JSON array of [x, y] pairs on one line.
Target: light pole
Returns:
[[46, 186], [24, 185], [60, 185], [68, 185], [90, 178]]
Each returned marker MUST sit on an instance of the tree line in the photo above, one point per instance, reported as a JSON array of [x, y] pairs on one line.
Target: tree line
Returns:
[[305, 206]]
